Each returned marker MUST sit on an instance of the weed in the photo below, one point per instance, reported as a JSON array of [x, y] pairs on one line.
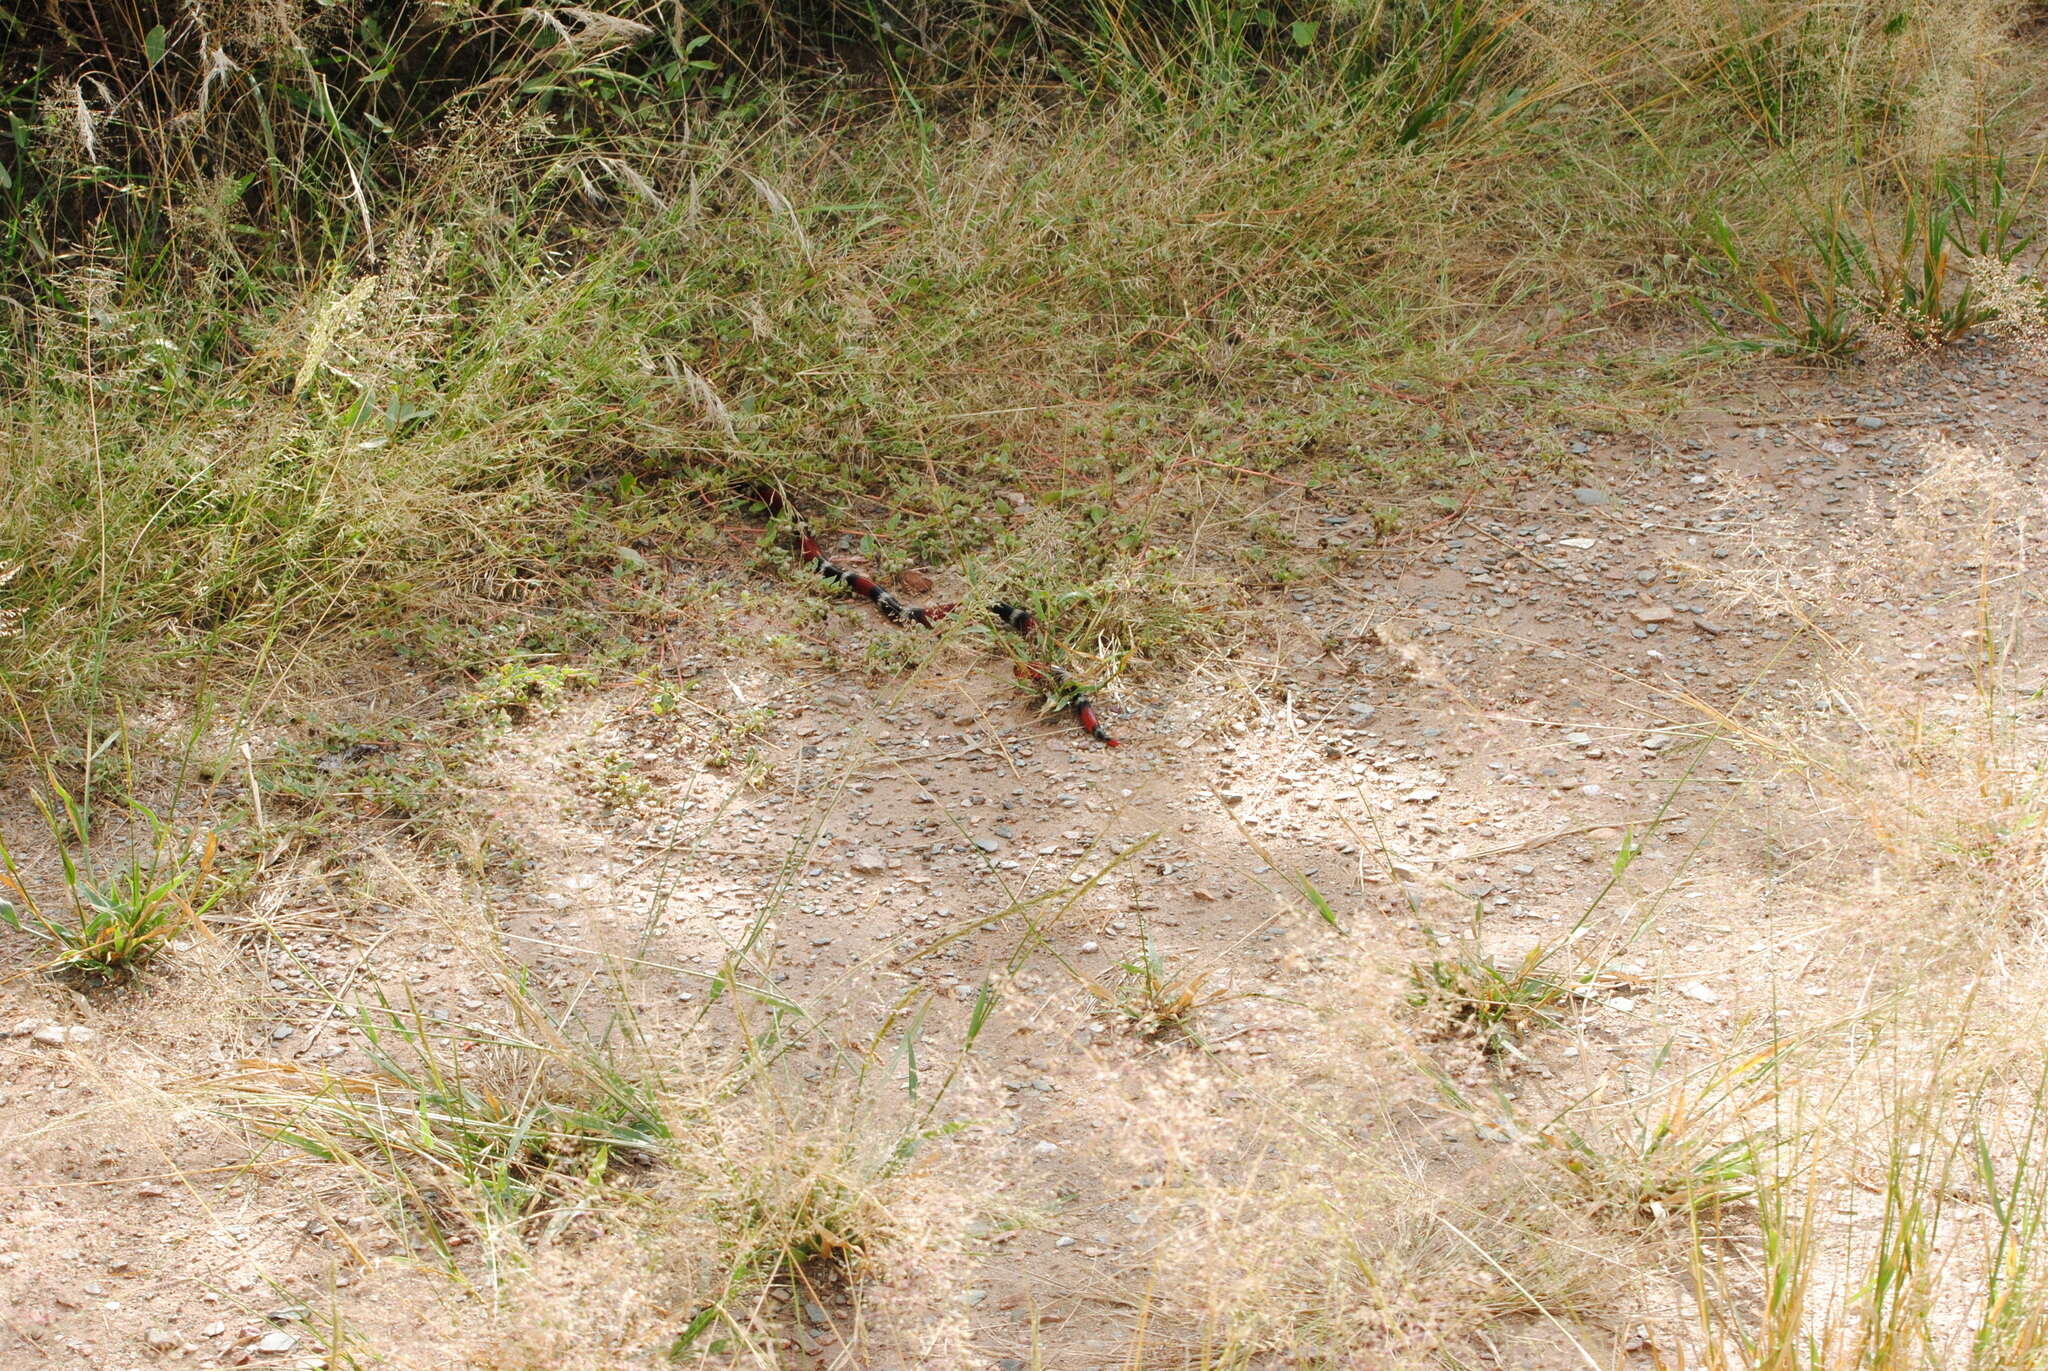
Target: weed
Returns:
[[1153, 999], [118, 913], [734, 741], [814, 1211], [1496, 1005], [410, 775], [495, 1130], [613, 782], [514, 689], [1900, 274], [1700, 1151]]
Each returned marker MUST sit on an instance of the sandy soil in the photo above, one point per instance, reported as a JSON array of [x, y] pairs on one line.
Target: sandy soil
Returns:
[[1462, 727]]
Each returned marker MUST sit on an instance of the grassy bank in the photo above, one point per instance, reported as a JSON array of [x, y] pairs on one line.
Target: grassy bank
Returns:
[[393, 332]]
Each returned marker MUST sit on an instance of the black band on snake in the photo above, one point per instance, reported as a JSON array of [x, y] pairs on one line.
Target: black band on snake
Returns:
[[1016, 618]]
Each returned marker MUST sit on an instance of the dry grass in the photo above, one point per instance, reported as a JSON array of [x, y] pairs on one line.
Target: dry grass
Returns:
[[1853, 1185], [1905, 1126], [1377, 264], [504, 442]]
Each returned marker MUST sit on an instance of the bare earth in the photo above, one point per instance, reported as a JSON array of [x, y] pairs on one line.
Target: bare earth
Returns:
[[1460, 729]]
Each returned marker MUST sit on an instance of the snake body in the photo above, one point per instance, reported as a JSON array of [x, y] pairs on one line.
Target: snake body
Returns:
[[1016, 618]]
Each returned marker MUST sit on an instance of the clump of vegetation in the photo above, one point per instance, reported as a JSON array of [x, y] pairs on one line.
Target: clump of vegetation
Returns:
[[1697, 1149], [1153, 998], [1497, 1005], [473, 1130], [512, 690], [113, 913]]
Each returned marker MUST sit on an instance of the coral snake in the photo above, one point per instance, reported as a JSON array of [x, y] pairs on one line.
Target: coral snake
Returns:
[[1055, 683]]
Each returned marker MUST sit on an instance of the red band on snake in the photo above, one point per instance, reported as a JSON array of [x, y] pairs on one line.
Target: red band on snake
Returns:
[[1016, 618]]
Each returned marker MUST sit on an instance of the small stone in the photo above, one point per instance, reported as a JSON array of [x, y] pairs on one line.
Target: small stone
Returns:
[[1579, 739], [1623, 1004], [868, 860], [160, 1339], [1693, 990], [1655, 614], [1869, 421], [1362, 710], [1708, 627], [1091, 946], [988, 844], [1586, 495], [1420, 796], [49, 1035], [281, 1032], [1582, 544], [277, 1342], [1044, 1149]]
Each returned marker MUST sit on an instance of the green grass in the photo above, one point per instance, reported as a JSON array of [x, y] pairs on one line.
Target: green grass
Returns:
[[111, 911], [449, 405]]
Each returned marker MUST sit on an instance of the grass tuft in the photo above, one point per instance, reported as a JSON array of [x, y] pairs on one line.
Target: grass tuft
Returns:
[[111, 914], [474, 1131]]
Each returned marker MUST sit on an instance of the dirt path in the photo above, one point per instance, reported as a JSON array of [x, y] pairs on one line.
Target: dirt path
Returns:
[[1453, 734]]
